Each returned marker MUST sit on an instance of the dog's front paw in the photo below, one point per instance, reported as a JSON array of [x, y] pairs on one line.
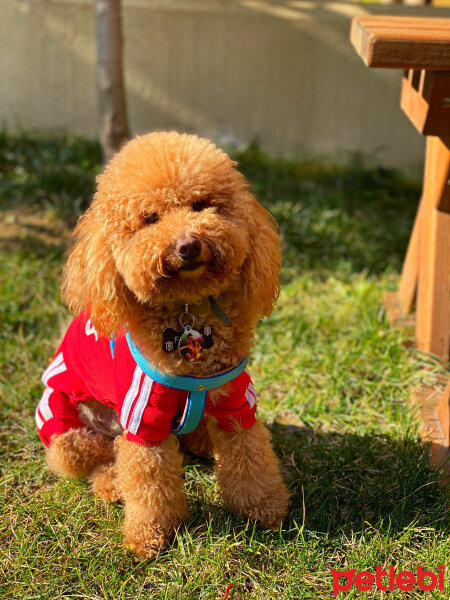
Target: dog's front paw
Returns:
[[249, 476], [271, 511], [145, 539], [268, 507]]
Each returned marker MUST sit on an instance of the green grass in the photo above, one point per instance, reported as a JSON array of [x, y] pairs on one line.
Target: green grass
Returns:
[[333, 380]]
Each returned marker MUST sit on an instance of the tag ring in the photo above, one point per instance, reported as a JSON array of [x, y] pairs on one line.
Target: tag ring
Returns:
[[184, 319]]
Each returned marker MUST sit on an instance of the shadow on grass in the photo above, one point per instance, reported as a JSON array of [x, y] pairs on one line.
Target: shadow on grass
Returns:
[[347, 480], [344, 483]]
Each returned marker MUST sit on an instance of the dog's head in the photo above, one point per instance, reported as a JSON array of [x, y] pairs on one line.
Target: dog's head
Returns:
[[172, 220]]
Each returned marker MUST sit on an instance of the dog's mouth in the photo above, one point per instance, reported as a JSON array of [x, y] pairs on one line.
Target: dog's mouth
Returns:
[[210, 260], [192, 266], [192, 270]]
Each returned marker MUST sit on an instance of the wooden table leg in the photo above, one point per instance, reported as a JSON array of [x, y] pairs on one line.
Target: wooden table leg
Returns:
[[434, 429], [427, 270], [443, 411], [410, 270], [399, 304], [433, 295]]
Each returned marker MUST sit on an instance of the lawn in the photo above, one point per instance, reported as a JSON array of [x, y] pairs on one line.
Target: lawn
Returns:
[[333, 378]]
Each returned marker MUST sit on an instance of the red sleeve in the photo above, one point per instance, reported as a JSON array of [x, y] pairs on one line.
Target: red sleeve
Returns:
[[151, 417], [239, 407], [55, 414], [146, 408]]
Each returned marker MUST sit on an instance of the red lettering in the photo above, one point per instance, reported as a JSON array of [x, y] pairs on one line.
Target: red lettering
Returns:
[[391, 578], [379, 573], [421, 574], [441, 577], [405, 581], [364, 581], [338, 587]]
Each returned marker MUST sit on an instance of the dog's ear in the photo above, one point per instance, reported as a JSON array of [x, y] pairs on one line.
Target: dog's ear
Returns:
[[262, 265], [91, 281]]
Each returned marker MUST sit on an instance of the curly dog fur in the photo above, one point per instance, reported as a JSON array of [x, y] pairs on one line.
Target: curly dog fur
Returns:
[[124, 269]]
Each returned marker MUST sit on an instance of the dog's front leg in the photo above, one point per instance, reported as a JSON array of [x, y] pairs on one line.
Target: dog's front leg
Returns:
[[150, 483], [248, 474]]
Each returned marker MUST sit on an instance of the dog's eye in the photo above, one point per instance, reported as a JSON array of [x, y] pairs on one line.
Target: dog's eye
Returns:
[[150, 218], [200, 205]]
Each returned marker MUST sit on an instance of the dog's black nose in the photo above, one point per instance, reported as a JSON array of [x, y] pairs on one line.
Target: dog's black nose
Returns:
[[188, 248]]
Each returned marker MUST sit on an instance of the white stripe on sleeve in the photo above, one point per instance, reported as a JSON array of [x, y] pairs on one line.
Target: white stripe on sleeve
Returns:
[[56, 369], [139, 408], [250, 399], [44, 405], [55, 362], [251, 388], [39, 421], [250, 395], [130, 396]]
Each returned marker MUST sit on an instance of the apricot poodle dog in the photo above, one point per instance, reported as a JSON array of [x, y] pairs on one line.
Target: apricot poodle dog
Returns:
[[175, 261]]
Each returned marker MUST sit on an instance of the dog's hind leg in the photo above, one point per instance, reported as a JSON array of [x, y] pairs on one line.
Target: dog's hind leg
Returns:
[[78, 452], [150, 482], [248, 474]]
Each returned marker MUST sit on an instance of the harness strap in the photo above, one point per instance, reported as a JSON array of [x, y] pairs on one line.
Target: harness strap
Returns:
[[197, 387], [192, 413]]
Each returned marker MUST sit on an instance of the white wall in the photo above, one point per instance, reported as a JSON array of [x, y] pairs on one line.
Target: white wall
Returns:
[[280, 72]]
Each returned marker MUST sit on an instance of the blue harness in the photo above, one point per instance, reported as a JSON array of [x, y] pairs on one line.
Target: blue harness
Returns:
[[197, 387]]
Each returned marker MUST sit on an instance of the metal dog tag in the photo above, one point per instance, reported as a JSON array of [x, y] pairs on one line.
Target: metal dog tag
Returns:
[[171, 339], [190, 342], [202, 340], [207, 332]]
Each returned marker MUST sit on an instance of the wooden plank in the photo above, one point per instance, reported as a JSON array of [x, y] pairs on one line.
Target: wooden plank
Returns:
[[425, 99], [413, 103], [397, 316], [444, 182], [410, 271], [404, 20], [433, 27], [427, 400], [433, 294], [402, 42], [443, 411], [394, 309]]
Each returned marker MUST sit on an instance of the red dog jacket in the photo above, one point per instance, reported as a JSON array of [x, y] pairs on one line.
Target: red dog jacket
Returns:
[[83, 369]]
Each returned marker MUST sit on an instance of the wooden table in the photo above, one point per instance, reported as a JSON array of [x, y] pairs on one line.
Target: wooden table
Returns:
[[421, 47]]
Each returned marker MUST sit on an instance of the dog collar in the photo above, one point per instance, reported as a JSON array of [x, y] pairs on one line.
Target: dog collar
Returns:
[[197, 387]]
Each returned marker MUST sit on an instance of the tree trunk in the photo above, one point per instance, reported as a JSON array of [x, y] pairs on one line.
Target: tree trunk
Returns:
[[114, 129]]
